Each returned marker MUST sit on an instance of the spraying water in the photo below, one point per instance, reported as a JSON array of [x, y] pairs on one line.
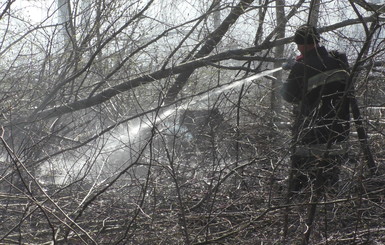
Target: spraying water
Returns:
[[136, 130], [244, 81], [137, 134]]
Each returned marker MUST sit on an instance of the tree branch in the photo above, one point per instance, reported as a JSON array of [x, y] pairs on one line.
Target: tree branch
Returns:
[[109, 93], [206, 49]]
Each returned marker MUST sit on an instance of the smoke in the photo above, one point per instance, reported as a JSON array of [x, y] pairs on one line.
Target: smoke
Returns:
[[125, 144]]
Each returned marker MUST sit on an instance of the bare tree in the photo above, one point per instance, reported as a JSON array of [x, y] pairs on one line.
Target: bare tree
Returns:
[[123, 132]]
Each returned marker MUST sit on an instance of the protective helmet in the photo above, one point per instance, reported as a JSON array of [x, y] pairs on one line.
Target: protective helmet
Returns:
[[306, 34]]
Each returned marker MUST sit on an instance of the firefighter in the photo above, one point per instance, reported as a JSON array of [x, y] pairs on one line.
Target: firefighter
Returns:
[[317, 85]]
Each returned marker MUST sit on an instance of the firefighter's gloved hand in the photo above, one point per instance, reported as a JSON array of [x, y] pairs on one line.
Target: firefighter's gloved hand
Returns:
[[288, 64]]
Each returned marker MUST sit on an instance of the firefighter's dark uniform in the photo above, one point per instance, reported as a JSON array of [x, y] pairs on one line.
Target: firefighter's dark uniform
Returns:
[[317, 83]]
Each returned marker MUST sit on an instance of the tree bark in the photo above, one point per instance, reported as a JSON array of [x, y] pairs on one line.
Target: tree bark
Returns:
[[187, 67], [279, 52], [209, 45]]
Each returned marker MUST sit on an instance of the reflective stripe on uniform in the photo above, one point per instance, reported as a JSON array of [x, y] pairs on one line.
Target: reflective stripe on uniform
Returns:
[[318, 150], [326, 77]]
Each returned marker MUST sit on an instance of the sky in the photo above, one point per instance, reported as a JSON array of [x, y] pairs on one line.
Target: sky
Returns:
[[32, 10]]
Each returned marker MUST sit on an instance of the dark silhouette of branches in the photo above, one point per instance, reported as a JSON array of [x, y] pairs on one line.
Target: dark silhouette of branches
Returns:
[[137, 129]]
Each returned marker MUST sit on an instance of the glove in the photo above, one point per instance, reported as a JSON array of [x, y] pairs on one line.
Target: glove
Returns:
[[288, 65]]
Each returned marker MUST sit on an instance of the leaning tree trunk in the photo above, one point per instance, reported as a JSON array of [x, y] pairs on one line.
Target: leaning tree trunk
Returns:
[[211, 42]]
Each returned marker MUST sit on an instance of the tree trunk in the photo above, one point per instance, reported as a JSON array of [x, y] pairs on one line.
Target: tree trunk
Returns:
[[314, 12], [207, 47], [279, 52]]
